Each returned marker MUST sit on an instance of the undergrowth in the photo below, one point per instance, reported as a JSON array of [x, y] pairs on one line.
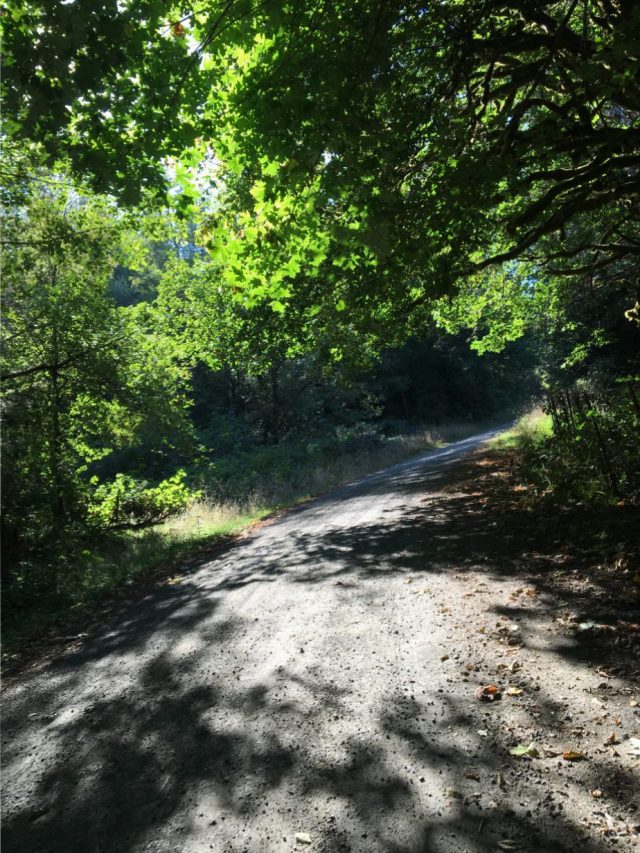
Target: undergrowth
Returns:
[[590, 456], [530, 430], [44, 588]]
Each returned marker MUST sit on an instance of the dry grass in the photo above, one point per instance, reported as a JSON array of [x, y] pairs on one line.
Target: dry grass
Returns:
[[214, 516], [77, 578], [203, 516]]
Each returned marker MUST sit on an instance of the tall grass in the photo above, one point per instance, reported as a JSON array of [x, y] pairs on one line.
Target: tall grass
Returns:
[[45, 589], [532, 427], [593, 459]]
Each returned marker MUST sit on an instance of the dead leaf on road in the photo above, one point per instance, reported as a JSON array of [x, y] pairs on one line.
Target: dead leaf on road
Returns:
[[514, 691], [523, 750], [573, 755], [488, 693]]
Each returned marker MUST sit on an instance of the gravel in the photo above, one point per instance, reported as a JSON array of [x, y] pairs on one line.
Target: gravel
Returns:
[[313, 688]]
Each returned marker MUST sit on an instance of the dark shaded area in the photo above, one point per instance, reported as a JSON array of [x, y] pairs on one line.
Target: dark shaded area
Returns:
[[130, 765]]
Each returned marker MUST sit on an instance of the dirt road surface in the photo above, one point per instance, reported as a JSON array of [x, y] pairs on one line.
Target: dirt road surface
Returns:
[[313, 688]]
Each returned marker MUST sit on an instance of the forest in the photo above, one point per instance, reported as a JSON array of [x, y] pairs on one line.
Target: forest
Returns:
[[320, 395], [252, 250]]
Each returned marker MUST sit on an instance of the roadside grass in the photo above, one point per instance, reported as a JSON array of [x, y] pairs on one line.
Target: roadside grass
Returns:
[[48, 590], [593, 462], [45, 592], [531, 428]]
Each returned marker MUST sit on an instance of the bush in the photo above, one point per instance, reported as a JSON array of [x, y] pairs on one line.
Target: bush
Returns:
[[127, 502], [592, 452]]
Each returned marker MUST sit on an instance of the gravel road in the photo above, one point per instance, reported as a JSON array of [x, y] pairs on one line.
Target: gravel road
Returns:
[[303, 690]]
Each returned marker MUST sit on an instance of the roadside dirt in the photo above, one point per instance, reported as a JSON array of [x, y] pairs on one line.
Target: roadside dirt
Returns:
[[315, 686]]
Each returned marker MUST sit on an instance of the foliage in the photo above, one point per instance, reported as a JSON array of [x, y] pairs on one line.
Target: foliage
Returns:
[[127, 501], [585, 449], [83, 380], [594, 451], [352, 180], [387, 151]]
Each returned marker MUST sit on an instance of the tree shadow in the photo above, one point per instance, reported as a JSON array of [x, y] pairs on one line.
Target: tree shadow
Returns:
[[153, 742]]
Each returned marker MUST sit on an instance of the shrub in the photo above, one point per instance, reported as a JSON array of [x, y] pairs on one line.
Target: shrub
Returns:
[[126, 501]]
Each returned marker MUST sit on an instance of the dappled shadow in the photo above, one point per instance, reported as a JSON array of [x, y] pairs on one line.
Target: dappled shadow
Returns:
[[177, 766], [454, 528], [131, 762], [151, 736], [474, 805]]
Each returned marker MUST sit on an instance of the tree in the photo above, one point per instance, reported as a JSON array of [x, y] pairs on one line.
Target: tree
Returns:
[[81, 378], [392, 149]]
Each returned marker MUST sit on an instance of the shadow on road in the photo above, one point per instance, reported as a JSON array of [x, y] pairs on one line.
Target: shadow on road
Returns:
[[121, 768]]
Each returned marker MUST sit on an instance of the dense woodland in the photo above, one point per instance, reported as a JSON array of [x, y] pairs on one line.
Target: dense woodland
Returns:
[[244, 238]]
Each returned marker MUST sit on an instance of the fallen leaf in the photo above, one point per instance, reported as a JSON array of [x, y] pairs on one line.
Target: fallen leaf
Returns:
[[522, 749], [470, 774], [514, 691], [488, 693], [573, 755], [303, 838], [444, 657]]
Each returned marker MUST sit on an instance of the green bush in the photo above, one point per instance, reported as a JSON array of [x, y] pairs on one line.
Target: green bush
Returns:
[[127, 501], [593, 451]]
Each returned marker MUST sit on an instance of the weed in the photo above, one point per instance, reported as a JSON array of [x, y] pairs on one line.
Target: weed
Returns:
[[46, 587]]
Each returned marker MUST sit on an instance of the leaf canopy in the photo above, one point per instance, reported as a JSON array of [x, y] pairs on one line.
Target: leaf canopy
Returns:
[[391, 149]]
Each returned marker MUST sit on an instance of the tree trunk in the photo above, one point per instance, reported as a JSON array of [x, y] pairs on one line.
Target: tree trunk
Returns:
[[55, 443], [275, 405]]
